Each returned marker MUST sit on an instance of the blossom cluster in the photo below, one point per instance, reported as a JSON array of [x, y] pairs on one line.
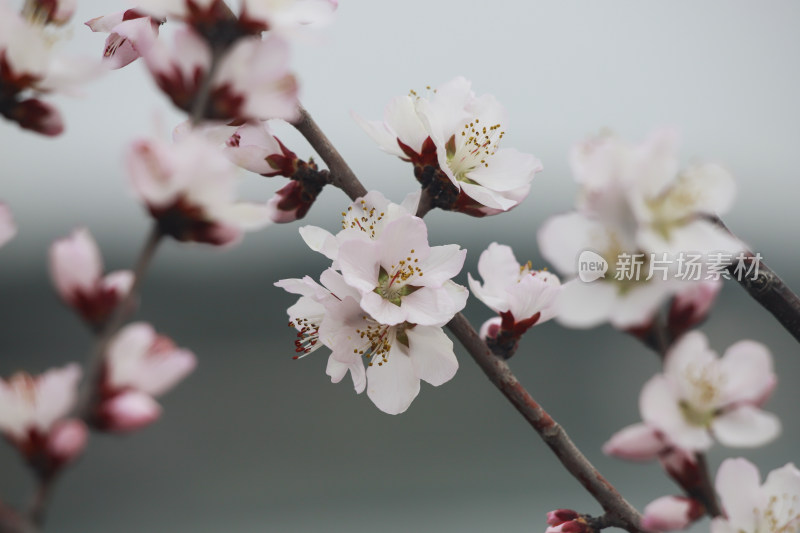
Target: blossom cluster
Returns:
[[382, 302], [634, 200]]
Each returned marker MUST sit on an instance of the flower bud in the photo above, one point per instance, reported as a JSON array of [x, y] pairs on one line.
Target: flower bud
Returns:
[[128, 411], [669, 513]]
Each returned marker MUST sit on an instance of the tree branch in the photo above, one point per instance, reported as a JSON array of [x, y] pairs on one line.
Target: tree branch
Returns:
[[551, 433], [769, 290], [341, 173]]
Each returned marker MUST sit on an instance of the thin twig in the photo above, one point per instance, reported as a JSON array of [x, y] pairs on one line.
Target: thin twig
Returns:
[[198, 112], [551, 433], [341, 173], [768, 289], [38, 504], [705, 490]]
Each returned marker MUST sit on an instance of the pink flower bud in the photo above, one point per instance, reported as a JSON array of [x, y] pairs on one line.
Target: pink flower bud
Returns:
[[491, 328], [669, 513], [38, 116], [559, 516], [128, 411], [67, 441], [637, 442], [691, 306]]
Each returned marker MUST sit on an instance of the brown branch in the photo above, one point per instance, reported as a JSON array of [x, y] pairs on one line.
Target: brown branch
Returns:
[[619, 512], [551, 433], [769, 290], [342, 175]]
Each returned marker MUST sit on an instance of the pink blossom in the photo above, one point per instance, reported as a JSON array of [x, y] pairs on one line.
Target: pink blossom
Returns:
[[401, 278], [252, 80], [452, 137], [521, 296], [189, 188], [76, 269], [398, 356], [30, 66], [139, 365], [700, 395], [669, 513], [33, 411], [753, 507], [130, 32], [364, 220]]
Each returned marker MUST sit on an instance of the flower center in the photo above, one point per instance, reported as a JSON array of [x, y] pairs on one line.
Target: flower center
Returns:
[[705, 384], [473, 147], [363, 218], [782, 514], [376, 342], [393, 284]]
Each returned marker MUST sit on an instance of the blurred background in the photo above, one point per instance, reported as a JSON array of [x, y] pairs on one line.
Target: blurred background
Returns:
[[254, 441]]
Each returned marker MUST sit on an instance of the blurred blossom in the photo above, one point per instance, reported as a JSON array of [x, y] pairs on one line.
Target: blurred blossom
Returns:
[[452, 137], [752, 507], [287, 18], [634, 200], [139, 365], [57, 12], [29, 67], [669, 513], [33, 411], [252, 80], [130, 32], [700, 395], [189, 187], [521, 296], [8, 229], [76, 268]]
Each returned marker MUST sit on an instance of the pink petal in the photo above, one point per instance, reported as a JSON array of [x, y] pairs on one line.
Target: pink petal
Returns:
[[7, 227], [638, 442], [75, 264], [130, 411], [669, 513], [749, 374]]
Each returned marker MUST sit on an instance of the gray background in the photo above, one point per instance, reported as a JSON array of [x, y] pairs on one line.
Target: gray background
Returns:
[[254, 441]]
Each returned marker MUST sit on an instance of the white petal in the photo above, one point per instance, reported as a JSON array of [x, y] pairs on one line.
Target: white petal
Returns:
[[737, 484], [434, 307], [508, 169], [749, 377], [393, 385], [75, 264], [562, 238], [585, 305], [431, 353], [746, 427]]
